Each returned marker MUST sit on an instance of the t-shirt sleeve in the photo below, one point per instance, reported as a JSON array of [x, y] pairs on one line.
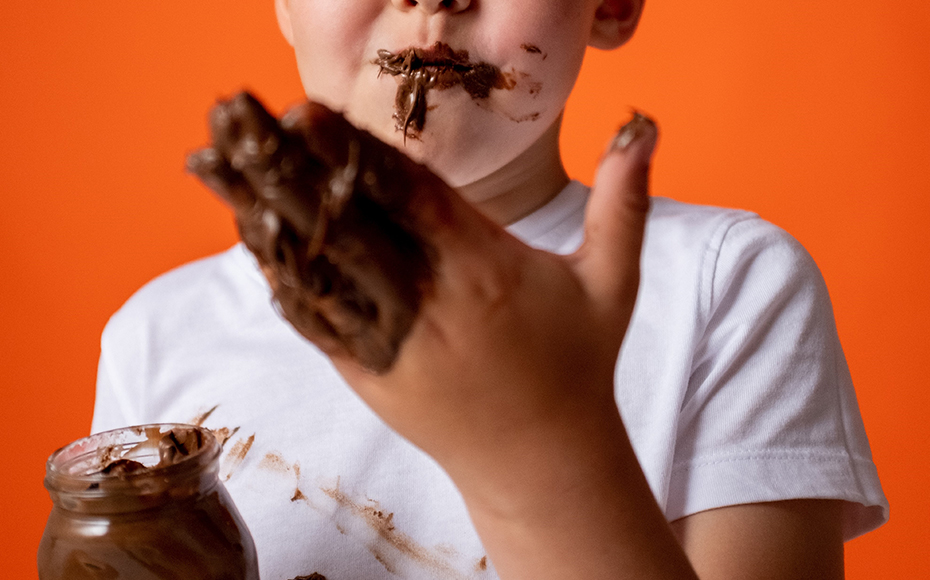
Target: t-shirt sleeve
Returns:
[[770, 412]]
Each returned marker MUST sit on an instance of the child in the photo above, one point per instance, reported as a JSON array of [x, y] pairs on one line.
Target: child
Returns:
[[493, 444]]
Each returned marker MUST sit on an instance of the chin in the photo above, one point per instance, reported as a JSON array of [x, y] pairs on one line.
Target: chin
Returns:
[[460, 148], [457, 161]]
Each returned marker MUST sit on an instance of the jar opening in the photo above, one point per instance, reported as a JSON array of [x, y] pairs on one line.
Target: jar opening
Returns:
[[139, 460]]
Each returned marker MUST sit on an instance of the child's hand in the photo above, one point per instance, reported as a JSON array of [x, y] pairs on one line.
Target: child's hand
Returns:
[[495, 358], [323, 208], [503, 341]]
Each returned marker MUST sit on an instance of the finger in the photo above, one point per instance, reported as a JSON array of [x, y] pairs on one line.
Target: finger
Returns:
[[258, 226], [615, 218], [274, 163], [216, 173], [410, 194], [433, 233]]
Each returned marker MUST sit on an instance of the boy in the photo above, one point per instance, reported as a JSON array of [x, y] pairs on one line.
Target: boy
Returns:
[[737, 421]]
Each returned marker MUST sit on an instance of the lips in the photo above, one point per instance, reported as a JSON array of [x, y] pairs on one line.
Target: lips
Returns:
[[420, 69], [440, 55]]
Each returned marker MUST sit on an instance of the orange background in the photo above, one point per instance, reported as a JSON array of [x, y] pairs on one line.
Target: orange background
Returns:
[[814, 114]]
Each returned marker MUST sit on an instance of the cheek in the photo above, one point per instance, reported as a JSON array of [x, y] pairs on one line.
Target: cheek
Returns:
[[544, 49], [329, 45]]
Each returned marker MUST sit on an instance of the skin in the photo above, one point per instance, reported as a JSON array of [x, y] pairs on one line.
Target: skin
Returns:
[[506, 378]]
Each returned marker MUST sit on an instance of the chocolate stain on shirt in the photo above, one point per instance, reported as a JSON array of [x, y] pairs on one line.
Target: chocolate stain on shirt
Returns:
[[383, 524], [274, 461], [199, 419], [314, 576], [418, 70], [223, 434], [482, 564], [237, 455]]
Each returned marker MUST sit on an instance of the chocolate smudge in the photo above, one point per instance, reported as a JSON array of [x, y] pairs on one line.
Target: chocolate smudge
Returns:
[[274, 461], [199, 419], [528, 117], [237, 455], [533, 49], [223, 434], [420, 69], [122, 467], [383, 524], [482, 564], [383, 561]]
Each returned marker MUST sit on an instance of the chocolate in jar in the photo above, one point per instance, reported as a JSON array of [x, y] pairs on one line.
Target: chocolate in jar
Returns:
[[143, 503]]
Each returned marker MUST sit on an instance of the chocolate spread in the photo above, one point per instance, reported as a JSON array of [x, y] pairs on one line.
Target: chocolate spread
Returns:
[[421, 69], [143, 502], [326, 210]]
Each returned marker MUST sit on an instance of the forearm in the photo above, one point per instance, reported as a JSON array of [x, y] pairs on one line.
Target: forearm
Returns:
[[572, 502]]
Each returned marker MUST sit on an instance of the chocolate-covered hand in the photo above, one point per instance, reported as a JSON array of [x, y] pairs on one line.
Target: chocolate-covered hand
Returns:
[[494, 358], [441, 320], [323, 208]]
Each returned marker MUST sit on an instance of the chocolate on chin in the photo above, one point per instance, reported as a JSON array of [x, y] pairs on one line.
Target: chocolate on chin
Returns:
[[324, 208]]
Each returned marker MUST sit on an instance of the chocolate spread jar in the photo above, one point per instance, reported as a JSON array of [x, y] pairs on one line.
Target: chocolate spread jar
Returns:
[[143, 503]]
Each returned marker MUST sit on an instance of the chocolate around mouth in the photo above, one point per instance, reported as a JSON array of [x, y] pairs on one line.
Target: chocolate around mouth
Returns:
[[439, 67]]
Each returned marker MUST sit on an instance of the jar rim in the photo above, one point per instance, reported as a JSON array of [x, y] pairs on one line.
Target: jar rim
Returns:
[[78, 468]]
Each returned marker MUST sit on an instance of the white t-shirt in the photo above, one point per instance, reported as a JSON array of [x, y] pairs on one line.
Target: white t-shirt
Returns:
[[731, 382]]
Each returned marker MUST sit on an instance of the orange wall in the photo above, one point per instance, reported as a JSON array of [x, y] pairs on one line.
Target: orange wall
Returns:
[[814, 114]]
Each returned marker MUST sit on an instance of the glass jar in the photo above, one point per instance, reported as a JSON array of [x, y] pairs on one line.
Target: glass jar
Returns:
[[143, 503]]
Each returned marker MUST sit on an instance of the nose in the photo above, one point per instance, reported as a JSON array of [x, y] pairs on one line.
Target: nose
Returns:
[[433, 6]]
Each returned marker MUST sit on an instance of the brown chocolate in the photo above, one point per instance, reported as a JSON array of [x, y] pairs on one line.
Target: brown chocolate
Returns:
[[439, 67], [122, 467], [163, 514], [172, 447], [324, 208]]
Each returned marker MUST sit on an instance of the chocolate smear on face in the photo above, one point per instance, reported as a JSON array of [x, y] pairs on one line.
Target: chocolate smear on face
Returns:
[[438, 67]]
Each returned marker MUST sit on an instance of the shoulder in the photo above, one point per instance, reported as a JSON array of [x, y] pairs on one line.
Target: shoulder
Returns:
[[719, 250], [187, 294], [713, 231]]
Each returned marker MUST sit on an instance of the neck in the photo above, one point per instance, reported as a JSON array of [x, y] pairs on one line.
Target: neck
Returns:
[[524, 184]]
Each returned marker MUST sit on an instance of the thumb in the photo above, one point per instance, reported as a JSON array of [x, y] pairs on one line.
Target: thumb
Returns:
[[615, 219]]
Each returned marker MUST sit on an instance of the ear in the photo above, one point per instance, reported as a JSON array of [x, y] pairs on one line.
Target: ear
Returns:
[[614, 22], [282, 9]]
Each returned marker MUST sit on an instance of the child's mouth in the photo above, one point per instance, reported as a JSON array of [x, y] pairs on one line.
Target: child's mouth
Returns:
[[439, 67]]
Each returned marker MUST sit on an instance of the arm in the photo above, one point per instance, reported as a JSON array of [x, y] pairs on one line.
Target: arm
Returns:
[[506, 375], [788, 539]]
